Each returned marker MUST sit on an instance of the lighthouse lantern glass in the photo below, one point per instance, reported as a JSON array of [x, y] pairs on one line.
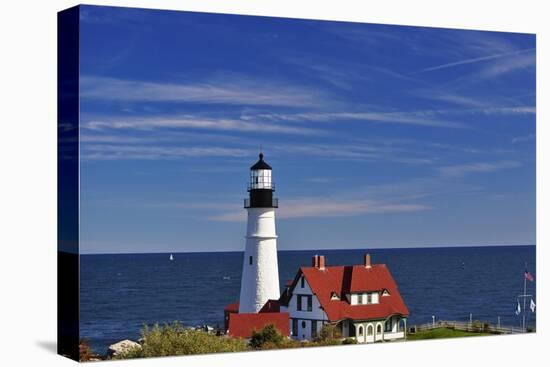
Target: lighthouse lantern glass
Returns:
[[260, 179]]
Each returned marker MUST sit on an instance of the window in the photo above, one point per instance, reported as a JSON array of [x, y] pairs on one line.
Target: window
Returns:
[[378, 328], [388, 326], [303, 324], [314, 328], [302, 281], [309, 303], [250, 260], [360, 299], [294, 327], [299, 303], [369, 298], [360, 331], [370, 330]]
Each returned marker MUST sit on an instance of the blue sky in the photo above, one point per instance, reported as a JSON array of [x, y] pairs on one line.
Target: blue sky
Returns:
[[379, 136]]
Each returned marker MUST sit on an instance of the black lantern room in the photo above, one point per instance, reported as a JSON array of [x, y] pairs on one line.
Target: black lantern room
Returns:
[[261, 186]]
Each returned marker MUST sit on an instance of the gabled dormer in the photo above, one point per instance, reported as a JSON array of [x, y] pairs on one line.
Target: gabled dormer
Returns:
[[364, 298]]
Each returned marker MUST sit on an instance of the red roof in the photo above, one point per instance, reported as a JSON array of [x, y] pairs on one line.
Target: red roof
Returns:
[[349, 279], [242, 324], [232, 307], [272, 305]]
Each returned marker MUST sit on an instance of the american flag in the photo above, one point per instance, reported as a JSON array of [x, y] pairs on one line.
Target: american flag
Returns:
[[529, 276]]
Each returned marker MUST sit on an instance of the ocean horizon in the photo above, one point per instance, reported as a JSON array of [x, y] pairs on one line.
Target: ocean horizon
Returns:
[[122, 292], [319, 250]]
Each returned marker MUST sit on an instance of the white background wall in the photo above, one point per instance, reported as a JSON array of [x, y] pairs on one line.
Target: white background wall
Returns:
[[28, 161]]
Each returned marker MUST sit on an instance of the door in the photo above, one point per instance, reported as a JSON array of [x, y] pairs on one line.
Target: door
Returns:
[[370, 333]]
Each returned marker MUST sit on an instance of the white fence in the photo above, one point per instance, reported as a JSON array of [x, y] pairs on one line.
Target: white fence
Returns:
[[475, 326]]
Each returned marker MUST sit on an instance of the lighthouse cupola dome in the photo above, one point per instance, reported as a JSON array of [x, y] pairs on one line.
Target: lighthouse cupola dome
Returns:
[[260, 165]]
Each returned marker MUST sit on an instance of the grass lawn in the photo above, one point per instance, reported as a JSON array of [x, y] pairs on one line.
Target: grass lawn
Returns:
[[441, 333]]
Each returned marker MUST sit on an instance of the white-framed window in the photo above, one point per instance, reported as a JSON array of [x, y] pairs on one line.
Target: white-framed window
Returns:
[[294, 327]]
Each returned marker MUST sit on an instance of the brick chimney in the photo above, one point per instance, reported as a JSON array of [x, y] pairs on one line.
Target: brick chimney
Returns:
[[315, 261], [321, 262], [367, 262], [318, 261]]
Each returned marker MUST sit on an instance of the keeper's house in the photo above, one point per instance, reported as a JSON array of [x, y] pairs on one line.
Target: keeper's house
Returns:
[[361, 300]]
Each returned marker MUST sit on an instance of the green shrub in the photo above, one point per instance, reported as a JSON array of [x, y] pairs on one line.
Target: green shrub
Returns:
[[267, 338], [173, 339], [349, 341]]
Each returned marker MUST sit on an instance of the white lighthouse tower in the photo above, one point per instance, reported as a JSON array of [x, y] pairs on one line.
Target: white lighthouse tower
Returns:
[[260, 277]]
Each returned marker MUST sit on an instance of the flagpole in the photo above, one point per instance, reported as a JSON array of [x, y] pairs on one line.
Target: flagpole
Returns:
[[524, 294]]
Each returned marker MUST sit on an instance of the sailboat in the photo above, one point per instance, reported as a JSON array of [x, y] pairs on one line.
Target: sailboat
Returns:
[[171, 257]]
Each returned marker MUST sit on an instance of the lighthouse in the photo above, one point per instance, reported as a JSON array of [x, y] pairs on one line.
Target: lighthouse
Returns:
[[260, 276]]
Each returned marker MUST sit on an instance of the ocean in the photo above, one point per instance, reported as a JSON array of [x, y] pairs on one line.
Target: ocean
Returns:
[[119, 293]]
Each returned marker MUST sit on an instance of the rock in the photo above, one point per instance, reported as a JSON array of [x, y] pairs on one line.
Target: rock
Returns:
[[122, 347]]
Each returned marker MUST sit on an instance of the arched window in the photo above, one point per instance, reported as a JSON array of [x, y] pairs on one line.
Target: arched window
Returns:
[[360, 331], [370, 330], [303, 324], [378, 329]]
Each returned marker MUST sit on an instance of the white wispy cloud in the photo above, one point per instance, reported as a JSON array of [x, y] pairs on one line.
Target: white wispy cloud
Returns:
[[193, 122], [520, 139], [148, 152], [345, 74], [508, 65], [408, 118], [233, 91], [524, 110], [114, 139], [474, 60], [445, 95], [323, 207], [477, 167], [331, 151]]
